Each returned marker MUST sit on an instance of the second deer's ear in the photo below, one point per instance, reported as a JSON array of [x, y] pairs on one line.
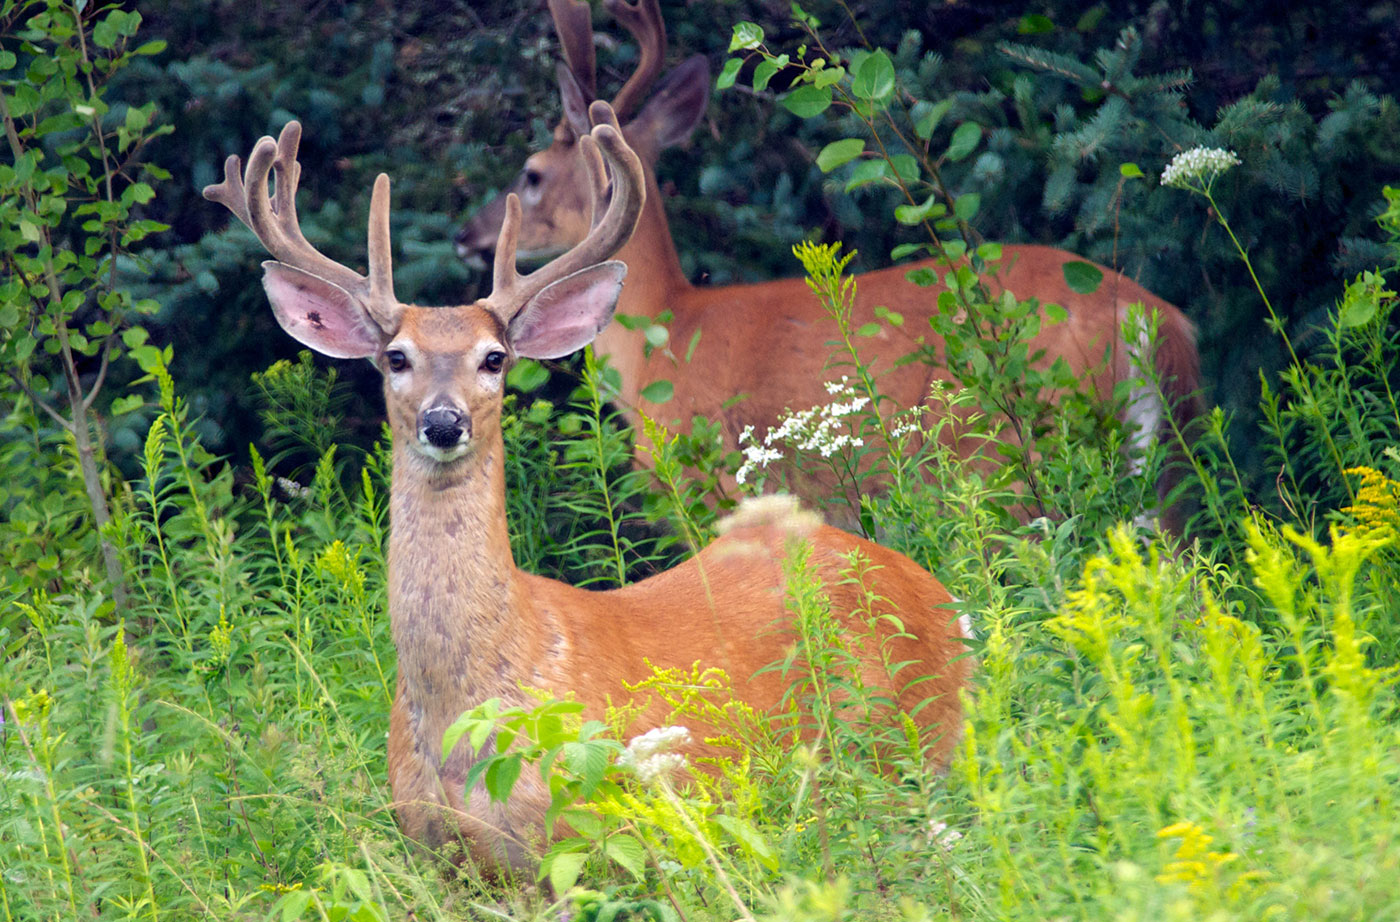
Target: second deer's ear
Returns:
[[574, 100], [676, 105], [567, 315], [319, 314]]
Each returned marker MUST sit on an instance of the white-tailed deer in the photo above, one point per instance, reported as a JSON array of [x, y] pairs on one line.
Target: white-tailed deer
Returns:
[[468, 625], [768, 341]]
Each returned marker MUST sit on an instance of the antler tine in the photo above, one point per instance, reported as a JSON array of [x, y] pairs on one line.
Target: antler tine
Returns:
[[573, 21], [608, 234], [273, 219], [643, 20], [229, 193]]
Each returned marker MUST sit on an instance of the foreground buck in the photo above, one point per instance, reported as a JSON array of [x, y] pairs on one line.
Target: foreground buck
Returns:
[[467, 624], [768, 341]]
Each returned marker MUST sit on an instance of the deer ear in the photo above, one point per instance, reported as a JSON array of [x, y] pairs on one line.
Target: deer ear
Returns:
[[567, 315], [575, 101], [676, 105], [319, 314]]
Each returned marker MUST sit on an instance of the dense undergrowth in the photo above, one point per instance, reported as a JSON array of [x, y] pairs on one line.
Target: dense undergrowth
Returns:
[[1158, 728]]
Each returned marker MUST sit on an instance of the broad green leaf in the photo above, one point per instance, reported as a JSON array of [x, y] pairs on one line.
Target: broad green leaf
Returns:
[[763, 73], [925, 123], [965, 139], [1053, 313], [1082, 277], [728, 74], [866, 172], [746, 35], [1358, 308], [658, 391], [965, 206], [874, 78], [828, 77], [564, 869], [923, 276], [839, 152], [527, 376], [502, 775], [869, 329], [910, 215], [657, 335], [1129, 170], [807, 101], [905, 166], [628, 852]]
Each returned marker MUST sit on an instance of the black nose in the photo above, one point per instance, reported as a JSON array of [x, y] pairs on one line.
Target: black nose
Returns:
[[443, 427]]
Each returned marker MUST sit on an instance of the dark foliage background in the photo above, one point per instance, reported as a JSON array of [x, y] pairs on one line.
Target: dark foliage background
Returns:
[[449, 99]]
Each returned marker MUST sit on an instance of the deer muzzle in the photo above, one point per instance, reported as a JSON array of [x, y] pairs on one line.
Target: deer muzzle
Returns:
[[444, 428]]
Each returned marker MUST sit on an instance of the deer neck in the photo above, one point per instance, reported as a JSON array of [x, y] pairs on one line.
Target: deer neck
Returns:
[[655, 283], [455, 597]]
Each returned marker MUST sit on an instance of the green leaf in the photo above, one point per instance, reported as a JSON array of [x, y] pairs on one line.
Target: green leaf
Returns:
[[763, 73], [827, 77], [926, 123], [1053, 313], [866, 172], [966, 137], [127, 404], [527, 376], [1082, 277], [1129, 170], [657, 335], [923, 276], [564, 869], [728, 74], [294, 904], [694, 341], [869, 329], [658, 391], [7, 59], [807, 101], [907, 249], [838, 153], [1035, 24], [1357, 308], [965, 206], [874, 78], [750, 838], [746, 35], [628, 852], [910, 215], [502, 775]]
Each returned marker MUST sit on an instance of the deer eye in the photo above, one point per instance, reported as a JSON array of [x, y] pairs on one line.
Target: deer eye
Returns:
[[494, 362], [396, 359], [532, 178]]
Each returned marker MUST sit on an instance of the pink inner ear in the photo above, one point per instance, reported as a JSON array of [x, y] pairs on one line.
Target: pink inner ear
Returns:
[[568, 314], [319, 314]]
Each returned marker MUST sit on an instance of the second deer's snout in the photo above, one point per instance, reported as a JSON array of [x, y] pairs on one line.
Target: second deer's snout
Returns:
[[444, 427]]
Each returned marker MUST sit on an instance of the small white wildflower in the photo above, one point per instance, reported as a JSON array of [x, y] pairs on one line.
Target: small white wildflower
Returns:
[[944, 836], [1197, 168], [649, 755]]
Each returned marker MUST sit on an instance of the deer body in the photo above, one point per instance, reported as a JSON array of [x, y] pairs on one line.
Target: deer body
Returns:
[[467, 624], [769, 341]]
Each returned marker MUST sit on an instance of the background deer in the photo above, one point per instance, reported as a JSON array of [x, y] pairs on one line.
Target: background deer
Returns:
[[467, 624], [769, 340]]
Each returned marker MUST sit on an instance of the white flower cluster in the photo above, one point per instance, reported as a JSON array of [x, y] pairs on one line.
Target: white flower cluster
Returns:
[[1199, 165], [819, 429], [650, 756]]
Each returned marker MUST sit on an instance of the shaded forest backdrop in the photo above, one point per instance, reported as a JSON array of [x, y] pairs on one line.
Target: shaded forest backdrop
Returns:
[[450, 98]]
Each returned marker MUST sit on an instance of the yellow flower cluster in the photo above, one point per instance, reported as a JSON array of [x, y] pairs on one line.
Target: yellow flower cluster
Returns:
[[1377, 505], [1194, 864]]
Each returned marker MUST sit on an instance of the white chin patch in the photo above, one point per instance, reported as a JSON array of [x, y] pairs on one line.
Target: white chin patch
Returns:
[[443, 455]]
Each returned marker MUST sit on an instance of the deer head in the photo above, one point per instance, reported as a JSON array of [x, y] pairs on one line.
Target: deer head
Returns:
[[443, 367], [551, 184]]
